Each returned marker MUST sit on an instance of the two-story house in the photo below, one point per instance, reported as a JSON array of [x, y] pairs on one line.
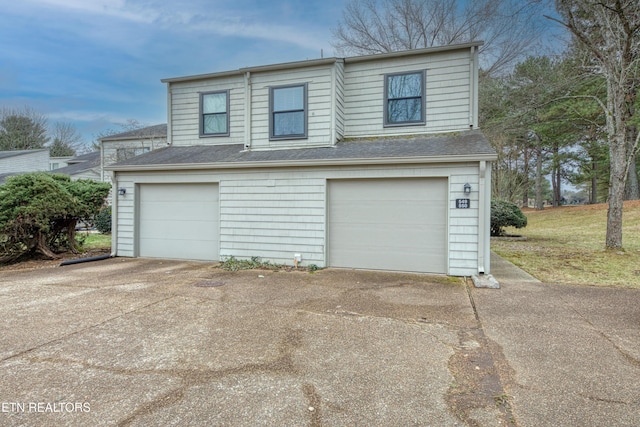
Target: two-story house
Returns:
[[372, 162]]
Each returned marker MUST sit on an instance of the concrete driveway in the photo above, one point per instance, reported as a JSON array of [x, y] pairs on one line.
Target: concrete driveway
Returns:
[[135, 342]]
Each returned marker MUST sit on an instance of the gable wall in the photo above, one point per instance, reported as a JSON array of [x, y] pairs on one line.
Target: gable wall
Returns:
[[339, 101], [448, 94], [185, 111], [109, 150], [185, 108], [35, 161], [345, 100], [319, 90]]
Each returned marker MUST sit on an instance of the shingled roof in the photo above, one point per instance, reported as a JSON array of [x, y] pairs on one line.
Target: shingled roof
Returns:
[[471, 145], [156, 131]]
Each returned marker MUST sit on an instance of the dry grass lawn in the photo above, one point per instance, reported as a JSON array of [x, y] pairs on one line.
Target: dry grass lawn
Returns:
[[566, 245]]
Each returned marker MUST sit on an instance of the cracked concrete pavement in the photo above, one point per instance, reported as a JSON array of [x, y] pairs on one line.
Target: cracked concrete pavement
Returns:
[[133, 342]]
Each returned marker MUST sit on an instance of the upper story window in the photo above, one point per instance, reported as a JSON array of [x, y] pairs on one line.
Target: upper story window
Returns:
[[404, 102], [288, 112], [214, 113]]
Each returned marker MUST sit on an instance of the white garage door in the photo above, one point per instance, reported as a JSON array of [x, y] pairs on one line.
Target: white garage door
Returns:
[[389, 224], [179, 221]]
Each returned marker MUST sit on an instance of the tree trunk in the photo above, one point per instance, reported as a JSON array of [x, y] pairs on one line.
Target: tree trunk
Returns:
[[525, 177], [594, 182], [41, 246], [71, 236], [617, 131], [539, 201], [616, 194]]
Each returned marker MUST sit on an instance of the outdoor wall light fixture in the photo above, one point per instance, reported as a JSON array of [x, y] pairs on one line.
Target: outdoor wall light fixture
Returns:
[[122, 191], [467, 188]]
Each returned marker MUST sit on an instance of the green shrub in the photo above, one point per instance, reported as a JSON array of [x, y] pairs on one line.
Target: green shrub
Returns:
[[39, 212], [103, 220], [505, 214]]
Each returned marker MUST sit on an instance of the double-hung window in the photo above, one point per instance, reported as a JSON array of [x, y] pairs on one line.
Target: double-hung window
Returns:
[[404, 100], [288, 112], [214, 113]]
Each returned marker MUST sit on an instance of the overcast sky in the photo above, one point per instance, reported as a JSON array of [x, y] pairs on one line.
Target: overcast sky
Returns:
[[96, 63]]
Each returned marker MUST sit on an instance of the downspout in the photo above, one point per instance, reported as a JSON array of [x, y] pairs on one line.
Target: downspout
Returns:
[[487, 212], [169, 115], [482, 219], [473, 78], [247, 110], [334, 93], [101, 161], [114, 215]]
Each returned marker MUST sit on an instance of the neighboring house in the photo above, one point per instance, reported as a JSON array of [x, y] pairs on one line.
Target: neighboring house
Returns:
[[23, 161], [125, 145], [85, 166], [371, 162], [59, 162]]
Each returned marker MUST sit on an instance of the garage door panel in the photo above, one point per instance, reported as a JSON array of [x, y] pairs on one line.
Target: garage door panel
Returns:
[[392, 224], [178, 230], [179, 221], [185, 211], [192, 249]]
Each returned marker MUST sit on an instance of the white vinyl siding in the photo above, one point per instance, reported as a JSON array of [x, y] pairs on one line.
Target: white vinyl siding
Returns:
[[319, 98], [339, 101], [26, 161], [185, 111], [447, 103], [185, 108], [273, 218], [277, 213]]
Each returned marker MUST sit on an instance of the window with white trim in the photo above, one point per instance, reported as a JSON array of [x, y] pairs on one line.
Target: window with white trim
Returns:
[[288, 112], [214, 113], [404, 102]]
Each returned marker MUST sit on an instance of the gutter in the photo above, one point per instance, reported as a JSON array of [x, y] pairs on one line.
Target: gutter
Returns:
[[305, 163]]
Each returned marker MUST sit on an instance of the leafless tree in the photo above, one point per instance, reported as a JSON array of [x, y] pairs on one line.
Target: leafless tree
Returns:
[[509, 28], [66, 140], [610, 30]]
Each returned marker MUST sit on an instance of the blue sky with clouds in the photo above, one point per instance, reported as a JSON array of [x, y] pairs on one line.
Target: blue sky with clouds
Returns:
[[97, 63]]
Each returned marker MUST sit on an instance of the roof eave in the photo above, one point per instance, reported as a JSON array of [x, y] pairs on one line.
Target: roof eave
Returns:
[[256, 69], [322, 61], [305, 163]]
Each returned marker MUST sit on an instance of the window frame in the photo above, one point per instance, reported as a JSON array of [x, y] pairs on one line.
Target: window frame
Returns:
[[202, 114], [423, 96], [305, 111]]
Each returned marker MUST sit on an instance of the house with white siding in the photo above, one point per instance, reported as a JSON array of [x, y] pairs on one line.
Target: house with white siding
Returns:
[[84, 166], [372, 162], [15, 162], [125, 145]]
